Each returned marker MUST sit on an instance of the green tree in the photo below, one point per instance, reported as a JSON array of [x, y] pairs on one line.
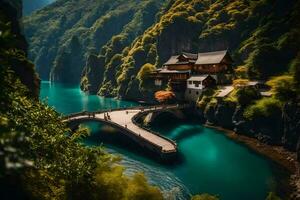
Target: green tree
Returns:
[[205, 197], [246, 95], [283, 87], [272, 196]]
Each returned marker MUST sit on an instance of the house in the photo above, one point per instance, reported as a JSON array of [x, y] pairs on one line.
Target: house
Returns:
[[217, 63], [196, 85], [182, 62], [201, 70], [175, 71]]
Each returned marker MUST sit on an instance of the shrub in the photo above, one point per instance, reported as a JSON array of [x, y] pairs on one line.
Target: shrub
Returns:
[[240, 82], [272, 196], [265, 107], [205, 197], [145, 70], [246, 95], [241, 72], [165, 96], [282, 87]]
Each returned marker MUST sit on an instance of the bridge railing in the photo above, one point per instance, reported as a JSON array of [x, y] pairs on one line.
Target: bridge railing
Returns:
[[134, 121], [142, 111], [141, 108]]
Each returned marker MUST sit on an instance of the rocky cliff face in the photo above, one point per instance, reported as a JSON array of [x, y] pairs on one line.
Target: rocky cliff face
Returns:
[[281, 128], [16, 46]]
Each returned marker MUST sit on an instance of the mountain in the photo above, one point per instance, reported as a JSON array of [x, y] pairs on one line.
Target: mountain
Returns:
[[108, 43], [262, 37], [30, 6], [66, 33]]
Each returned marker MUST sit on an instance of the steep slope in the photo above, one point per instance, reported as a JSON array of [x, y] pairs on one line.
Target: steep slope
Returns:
[[261, 35], [40, 157], [64, 34], [14, 45]]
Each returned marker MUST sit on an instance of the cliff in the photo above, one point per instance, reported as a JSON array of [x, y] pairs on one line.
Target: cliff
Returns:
[[260, 35], [67, 34], [103, 45], [14, 46]]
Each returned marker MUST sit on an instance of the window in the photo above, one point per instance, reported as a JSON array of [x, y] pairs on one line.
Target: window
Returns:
[[190, 91], [190, 82], [197, 83], [197, 93]]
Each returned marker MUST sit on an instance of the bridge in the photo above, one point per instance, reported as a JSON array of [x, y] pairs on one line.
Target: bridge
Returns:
[[125, 120]]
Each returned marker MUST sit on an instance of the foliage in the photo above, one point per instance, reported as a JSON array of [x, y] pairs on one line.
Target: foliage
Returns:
[[282, 87], [41, 158], [165, 96], [205, 197], [295, 70], [272, 196], [241, 72], [145, 70], [264, 107], [246, 95], [261, 38], [240, 82], [144, 73]]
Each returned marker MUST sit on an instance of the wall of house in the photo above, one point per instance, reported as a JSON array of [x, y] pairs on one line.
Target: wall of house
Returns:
[[192, 95], [179, 67]]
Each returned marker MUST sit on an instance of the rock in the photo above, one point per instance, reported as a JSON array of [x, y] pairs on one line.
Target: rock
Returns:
[[209, 114], [224, 113], [291, 120]]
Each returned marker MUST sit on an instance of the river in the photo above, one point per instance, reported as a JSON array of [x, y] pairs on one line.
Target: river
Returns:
[[211, 163]]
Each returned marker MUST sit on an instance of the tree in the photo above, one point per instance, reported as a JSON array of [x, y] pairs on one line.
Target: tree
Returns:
[[165, 96], [246, 95], [144, 73], [272, 196], [205, 197], [282, 87]]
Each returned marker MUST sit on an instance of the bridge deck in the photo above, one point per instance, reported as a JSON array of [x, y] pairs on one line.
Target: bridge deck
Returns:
[[124, 118]]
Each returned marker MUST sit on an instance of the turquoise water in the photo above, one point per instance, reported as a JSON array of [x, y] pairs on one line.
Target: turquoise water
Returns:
[[210, 162]]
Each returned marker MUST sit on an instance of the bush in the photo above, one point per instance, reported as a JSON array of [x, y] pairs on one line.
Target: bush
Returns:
[[145, 70], [265, 107], [241, 72], [282, 87], [246, 95], [205, 197], [240, 82], [272, 196], [165, 96]]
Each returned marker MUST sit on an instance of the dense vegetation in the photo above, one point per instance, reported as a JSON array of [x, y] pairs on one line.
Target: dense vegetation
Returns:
[[39, 156], [67, 33], [262, 39]]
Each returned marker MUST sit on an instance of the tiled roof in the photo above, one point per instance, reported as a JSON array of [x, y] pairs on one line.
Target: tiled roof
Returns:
[[166, 71], [198, 78], [211, 57]]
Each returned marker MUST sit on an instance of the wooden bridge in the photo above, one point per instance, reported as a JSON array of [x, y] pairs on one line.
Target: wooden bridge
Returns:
[[125, 120]]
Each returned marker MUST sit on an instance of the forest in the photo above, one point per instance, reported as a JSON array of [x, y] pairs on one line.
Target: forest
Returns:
[[109, 48]]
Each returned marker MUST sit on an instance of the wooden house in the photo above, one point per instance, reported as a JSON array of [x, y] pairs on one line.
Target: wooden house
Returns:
[[213, 63], [178, 69], [182, 62]]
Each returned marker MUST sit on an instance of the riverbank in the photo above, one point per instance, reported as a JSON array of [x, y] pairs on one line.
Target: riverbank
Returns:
[[281, 156]]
